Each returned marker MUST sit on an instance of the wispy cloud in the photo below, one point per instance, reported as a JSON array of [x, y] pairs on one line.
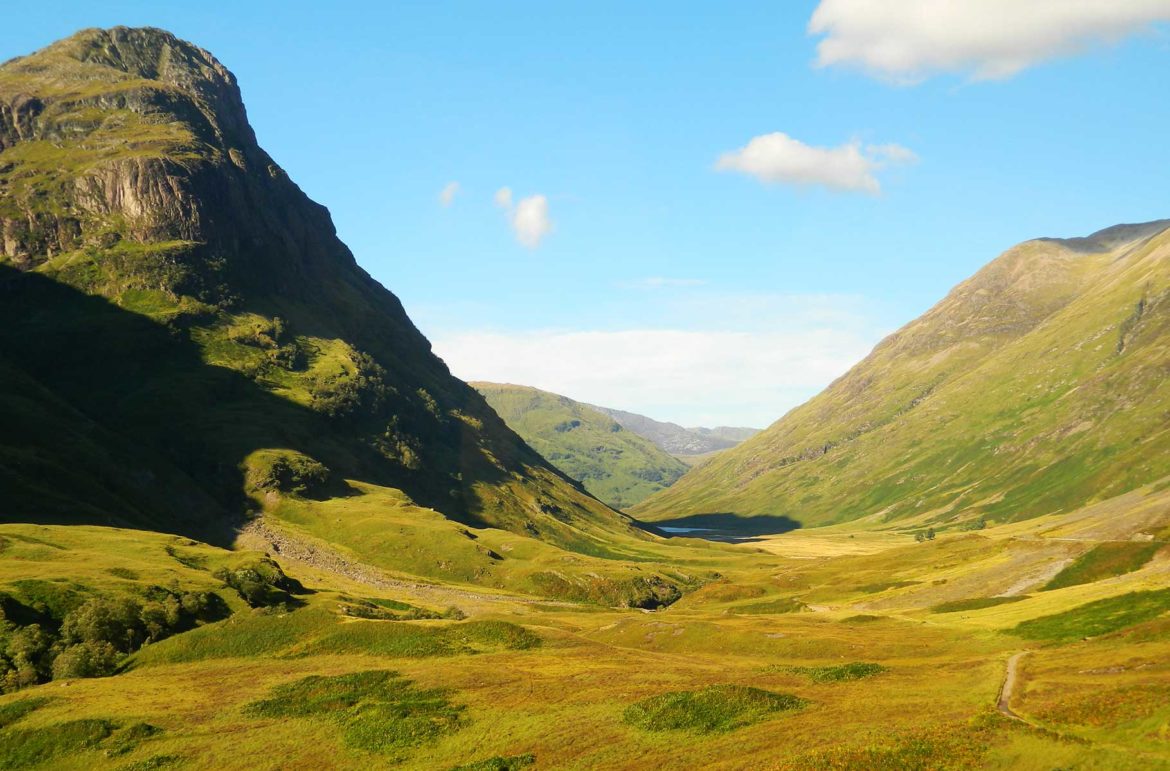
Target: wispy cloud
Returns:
[[778, 158], [905, 41], [743, 368], [528, 217], [448, 193]]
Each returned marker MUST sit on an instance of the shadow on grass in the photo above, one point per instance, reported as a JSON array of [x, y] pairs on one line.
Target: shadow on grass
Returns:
[[726, 526]]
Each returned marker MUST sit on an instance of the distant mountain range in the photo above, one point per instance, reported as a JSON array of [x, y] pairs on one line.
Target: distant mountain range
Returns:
[[1035, 387], [676, 439]]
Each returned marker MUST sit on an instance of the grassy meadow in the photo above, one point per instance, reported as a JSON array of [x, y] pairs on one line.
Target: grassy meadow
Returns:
[[817, 649]]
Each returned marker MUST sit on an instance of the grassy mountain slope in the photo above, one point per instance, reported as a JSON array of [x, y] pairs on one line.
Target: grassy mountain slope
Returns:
[[1035, 387], [184, 337], [676, 439], [617, 466]]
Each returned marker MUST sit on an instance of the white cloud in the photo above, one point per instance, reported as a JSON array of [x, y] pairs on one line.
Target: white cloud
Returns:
[[908, 40], [660, 282], [742, 369], [448, 193], [778, 157], [530, 220], [528, 217]]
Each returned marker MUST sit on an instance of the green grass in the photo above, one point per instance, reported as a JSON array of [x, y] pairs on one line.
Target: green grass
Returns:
[[411, 640], [781, 605], [834, 673], [1097, 618], [154, 762], [379, 711], [1105, 560], [15, 710], [975, 603], [618, 466], [715, 709], [33, 746], [244, 635]]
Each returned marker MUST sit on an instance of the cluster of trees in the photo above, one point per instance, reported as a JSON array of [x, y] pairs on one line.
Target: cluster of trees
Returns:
[[927, 536], [42, 641], [93, 639]]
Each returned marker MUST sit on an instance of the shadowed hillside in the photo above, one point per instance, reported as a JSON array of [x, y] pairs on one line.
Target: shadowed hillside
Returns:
[[236, 338]]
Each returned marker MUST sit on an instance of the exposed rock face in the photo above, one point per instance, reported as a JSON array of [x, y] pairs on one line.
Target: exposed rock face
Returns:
[[128, 171]]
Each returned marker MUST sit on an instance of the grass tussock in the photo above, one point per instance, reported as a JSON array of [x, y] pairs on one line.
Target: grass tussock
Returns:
[[715, 709], [417, 641], [15, 710], [781, 605], [21, 748], [836, 673], [499, 763], [378, 711]]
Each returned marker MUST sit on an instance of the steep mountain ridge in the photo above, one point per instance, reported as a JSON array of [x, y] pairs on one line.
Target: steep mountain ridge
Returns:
[[1035, 385], [618, 466], [174, 301]]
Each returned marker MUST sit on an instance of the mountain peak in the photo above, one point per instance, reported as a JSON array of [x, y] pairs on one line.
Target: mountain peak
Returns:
[[1112, 237], [149, 53], [143, 69]]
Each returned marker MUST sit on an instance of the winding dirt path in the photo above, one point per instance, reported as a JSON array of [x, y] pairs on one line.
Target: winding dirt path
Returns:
[[1004, 704]]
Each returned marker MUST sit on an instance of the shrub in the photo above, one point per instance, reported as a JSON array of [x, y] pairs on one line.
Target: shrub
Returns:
[[284, 471], [260, 583], [86, 659]]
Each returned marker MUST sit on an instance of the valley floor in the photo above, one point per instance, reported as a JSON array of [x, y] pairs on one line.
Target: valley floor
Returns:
[[1019, 646]]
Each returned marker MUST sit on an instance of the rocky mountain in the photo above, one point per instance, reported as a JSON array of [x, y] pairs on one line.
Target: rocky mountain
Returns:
[[616, 465], [1036, 386], [676, 439], [183, 337]]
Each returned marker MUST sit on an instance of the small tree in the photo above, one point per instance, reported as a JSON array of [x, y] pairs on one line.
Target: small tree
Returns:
[[919, 537], [930, 534]]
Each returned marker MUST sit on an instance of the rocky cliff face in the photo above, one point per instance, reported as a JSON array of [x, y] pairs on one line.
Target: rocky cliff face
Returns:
[[233, 323]]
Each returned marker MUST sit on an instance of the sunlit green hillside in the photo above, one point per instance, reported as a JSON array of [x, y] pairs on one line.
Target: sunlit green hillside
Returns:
[[1035, 387], [614, 464]]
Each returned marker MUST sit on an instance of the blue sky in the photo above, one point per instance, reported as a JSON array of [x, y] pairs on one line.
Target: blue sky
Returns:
[[652, 280]]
